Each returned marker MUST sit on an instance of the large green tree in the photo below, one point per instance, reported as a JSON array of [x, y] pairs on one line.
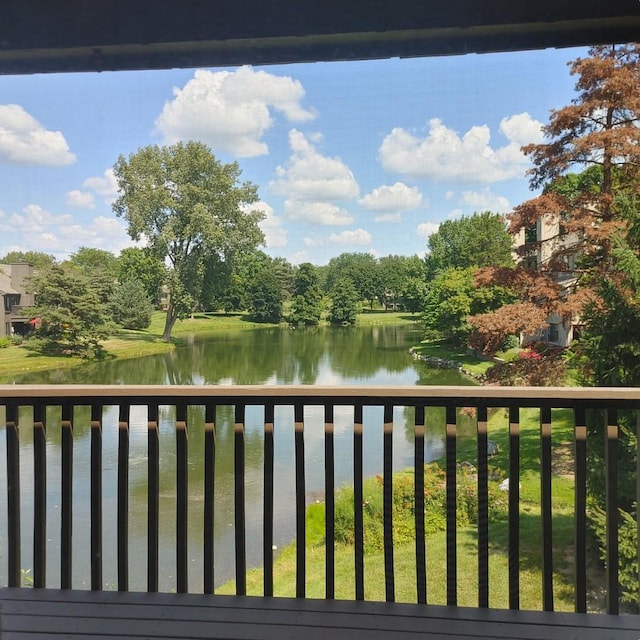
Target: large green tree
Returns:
[[361, 269], [471, 241], [40, 260], [187, 205], [143, 265], [306, 306], [72, 318]]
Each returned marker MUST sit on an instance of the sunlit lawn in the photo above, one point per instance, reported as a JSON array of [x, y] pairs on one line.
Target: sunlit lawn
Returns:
[[467, 557]]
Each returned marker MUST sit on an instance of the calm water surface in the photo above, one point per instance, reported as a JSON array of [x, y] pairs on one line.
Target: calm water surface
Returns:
[[335, 356]]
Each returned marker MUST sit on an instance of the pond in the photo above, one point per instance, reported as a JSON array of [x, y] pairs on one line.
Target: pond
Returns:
[[370, 355]]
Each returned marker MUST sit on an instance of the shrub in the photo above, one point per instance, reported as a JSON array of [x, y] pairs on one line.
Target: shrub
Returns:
[[435, 499]]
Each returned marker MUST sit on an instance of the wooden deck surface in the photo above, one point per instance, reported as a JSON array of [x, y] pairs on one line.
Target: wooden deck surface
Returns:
[[43, 614]]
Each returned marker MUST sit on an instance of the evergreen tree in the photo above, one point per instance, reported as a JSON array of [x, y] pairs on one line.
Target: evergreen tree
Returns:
[[72, 317], [307, 301], [130, 305], [345, 302]]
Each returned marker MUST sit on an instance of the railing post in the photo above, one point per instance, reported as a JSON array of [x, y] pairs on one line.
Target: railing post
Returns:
[[580, 521], [153, 497], [96, 497], [39, 496], [123, 496], [611, 490], [66, 517], [514, 507], [209, 495], [301, 506], [418, 480], [387, 479], [13, 494], [358, 499], [239, 501], [330, 505], [182, 499], [546, 510], [267, 518], [451, 487], [483, 508]]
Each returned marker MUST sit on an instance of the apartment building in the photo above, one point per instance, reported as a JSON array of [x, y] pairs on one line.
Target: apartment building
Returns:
[[547, 241], [15, 316]]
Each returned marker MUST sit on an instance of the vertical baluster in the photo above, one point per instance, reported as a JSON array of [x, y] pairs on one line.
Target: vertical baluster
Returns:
[[267, 520], [514, 507], [452, 565], [123, 497], [39, 497], [330, 505], [387, 507], [153, 497], [209, 496], [546, 510], [611, 480], [96, 497], [358, 500], [239, 502], [418, 480], [13, 494], [637, 416], [483, 509], [301, 534], [580, 519], [182, 498], [66, 517]]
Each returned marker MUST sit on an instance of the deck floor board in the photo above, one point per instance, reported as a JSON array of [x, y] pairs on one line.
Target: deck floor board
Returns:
[[35, 614]]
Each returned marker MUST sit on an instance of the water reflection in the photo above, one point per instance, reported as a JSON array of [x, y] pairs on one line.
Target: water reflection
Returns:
[[368, 355]]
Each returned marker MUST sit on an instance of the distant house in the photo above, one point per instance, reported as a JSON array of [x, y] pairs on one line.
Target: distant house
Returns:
[[15, 315], [548, 241]]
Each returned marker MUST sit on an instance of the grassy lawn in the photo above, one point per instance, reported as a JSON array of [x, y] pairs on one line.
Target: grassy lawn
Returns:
[[440, 349], [404, 554]]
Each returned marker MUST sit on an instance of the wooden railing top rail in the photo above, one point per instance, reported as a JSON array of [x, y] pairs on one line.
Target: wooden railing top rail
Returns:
[[561, 396]]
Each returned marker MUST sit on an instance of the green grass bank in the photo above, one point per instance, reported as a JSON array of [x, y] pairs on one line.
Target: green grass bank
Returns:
[[404, 548]]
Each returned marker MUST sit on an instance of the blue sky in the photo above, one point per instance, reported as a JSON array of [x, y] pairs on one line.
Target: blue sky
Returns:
[[351, 156]]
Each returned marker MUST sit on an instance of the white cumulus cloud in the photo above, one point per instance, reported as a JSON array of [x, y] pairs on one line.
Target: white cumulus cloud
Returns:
[[485, 200], [351, 236], [323, 213], [231, 110], [105, 185], [445, 155], [392, 198], [23, 140], [77, 198], [426, 229], [275, 235], [34, 219], [310, 176]]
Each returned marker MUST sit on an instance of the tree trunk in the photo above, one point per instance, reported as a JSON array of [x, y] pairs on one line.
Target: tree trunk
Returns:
[[169, 322]]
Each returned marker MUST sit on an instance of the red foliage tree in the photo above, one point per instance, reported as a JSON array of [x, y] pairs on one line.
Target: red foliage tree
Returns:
[[598, 134]]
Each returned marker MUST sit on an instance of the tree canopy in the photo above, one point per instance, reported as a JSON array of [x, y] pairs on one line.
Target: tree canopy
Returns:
[[478, 240], [187, 205]]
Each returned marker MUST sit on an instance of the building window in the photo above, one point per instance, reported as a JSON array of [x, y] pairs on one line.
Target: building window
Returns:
[[553, 332], [531, 234]]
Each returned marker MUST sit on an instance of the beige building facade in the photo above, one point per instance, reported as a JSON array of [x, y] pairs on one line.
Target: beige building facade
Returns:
[[548, 241], [15, 315]]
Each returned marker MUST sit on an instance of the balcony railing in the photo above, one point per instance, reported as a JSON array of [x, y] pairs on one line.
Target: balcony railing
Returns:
[[155, 429]]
